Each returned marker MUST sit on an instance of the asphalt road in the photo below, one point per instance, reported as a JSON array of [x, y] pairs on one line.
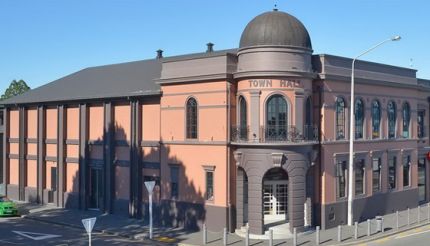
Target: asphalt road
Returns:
[[21, 231], [415, 237]]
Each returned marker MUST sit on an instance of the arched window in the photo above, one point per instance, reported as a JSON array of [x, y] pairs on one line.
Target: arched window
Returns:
[[340, 118], [276, 118], [392, 115], [243, 123], [191, 118], [359, 118], [376, 119], [406, 119]]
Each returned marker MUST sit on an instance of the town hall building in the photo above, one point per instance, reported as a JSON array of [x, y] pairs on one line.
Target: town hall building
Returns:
[[254, 136]]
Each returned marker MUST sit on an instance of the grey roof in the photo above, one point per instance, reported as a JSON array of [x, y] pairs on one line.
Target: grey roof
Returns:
[[275, 28], [110, 81]]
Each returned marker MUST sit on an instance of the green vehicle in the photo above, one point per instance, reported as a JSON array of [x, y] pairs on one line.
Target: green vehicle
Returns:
[[7, 207]]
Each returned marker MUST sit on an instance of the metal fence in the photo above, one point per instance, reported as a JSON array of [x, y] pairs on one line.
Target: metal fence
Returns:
[[275, 134]]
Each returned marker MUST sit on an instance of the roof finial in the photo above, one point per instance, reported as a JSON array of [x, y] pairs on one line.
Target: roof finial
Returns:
[[276, 7]]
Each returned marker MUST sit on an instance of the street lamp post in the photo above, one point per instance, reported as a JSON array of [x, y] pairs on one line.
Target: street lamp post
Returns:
[[352, 130]]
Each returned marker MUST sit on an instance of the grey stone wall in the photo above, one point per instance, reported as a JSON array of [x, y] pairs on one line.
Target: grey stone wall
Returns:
[[256, 161], [334, 214]]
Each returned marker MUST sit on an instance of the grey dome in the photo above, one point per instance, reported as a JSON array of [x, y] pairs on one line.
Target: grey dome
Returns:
[[275, 28]]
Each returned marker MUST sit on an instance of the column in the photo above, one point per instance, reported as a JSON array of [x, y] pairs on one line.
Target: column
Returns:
[[136, 162], [83, 151], [40, 153], [109, 150], [298, 109], [255, 116], [5, 149], [60, 156], [22, 151]]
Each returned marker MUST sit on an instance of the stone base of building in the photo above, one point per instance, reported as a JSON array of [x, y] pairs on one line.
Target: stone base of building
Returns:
[[368, 207]]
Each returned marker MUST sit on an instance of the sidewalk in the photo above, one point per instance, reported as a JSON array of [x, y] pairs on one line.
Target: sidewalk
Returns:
[[327, 237], [136, 229]]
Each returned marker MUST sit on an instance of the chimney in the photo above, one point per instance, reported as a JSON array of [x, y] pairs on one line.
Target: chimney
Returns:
[[210, 47], [159, 54]]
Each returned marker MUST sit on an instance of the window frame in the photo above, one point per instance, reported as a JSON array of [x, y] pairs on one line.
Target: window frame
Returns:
[[191, 118], [277, 127], [377, 169], [420, 123], [207, 196], [340, 122], [243, 117], [359, 128], [174, 180], [407, 162], [392, 158], [391, 119], [406, 132], [341, 167], [362, 168], [376, 119]]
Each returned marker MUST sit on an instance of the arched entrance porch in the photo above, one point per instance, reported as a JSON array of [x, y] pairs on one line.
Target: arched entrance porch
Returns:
[[275, 197]]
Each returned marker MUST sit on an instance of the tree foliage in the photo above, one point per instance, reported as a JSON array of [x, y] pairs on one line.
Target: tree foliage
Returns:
[[15, 88]]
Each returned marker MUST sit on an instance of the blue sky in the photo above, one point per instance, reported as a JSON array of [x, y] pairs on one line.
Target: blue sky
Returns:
[[43, 40]]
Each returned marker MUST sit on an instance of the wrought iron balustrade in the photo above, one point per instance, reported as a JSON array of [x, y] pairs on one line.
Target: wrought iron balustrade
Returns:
[[275, 134]]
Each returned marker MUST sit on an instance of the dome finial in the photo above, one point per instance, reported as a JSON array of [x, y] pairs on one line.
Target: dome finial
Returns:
[[275, 8]]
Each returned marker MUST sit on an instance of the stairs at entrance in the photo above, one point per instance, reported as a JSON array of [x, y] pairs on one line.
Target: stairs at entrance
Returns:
[[281, 231]]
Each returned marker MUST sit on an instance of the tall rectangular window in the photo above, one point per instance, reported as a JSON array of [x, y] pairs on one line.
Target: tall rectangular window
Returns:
[[174, 182], [359, 176], [209, 185], [392, 163], [420, 123], [54, 178], [376, 174], [406, 170], [341, 179]]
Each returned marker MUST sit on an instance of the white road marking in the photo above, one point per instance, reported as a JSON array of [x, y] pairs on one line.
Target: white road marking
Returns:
[[36, 236], [4, 241], [413, 234]]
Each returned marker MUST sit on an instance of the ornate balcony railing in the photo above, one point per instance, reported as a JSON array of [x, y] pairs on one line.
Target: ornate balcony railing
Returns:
[[275, 134]]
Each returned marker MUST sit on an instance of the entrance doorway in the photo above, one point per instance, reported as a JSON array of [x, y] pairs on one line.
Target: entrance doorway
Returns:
[[275, 196], [96, 188]]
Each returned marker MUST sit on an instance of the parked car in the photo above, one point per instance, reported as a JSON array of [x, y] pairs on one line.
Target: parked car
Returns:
[[7, 207]]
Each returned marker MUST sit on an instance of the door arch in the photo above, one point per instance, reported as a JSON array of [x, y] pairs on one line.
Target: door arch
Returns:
[[275, 196]]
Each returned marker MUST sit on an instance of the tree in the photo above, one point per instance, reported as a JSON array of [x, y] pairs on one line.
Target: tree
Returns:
[[15, 88]]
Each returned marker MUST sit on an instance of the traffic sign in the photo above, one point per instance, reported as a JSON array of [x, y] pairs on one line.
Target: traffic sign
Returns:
[[150, 186], [89, 224]]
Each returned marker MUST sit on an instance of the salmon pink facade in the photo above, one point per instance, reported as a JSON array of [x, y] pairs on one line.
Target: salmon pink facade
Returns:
[[250, 137]]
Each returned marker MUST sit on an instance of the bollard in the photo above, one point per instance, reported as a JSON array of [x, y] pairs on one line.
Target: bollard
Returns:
[[270, 237], [339, 233], [356, 230], [205, 234], [225, 237], [294, 237], [247, 236], [419, 214], [397, 220], [368, 227], [382, 225], [317, 234], [409, 216]]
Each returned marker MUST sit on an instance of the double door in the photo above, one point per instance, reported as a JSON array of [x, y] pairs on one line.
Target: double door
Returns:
[[275, 197]]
